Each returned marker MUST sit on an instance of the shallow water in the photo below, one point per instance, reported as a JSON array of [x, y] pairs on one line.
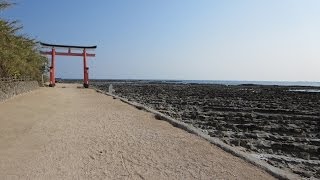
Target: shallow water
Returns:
[[306, 90]]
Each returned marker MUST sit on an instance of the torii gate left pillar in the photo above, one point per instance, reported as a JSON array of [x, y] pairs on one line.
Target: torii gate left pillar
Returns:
[[53, 53]]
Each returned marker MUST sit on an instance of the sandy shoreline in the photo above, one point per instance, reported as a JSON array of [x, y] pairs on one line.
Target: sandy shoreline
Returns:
[[271, 122], [68, 133]]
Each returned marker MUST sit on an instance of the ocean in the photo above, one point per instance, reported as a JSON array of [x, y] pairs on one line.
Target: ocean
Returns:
[[279, 83], [223, 82]]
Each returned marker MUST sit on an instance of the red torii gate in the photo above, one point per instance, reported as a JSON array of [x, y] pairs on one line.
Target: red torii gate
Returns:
[[53, 53]]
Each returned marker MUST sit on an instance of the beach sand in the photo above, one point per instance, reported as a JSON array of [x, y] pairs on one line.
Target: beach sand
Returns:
[[75, 133]]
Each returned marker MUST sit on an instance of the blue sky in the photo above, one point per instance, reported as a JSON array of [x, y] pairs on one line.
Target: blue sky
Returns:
[[181, 39]]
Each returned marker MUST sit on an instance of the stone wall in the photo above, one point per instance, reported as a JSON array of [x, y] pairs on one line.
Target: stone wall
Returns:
[[10, 89]]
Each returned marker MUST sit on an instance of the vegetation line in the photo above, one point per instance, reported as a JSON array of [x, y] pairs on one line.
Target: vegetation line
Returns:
[[19, 54]]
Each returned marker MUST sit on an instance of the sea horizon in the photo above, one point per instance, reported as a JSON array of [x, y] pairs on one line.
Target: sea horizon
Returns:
[[223, 82]]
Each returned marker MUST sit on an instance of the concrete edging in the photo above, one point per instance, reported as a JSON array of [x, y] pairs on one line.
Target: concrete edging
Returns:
[[274, 171]]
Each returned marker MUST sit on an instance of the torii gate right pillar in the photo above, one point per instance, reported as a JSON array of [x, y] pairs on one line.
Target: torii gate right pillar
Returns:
[[85, 70], [52, 68]]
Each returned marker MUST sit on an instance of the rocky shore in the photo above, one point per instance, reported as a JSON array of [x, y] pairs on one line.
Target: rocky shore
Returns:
[[278, 124]]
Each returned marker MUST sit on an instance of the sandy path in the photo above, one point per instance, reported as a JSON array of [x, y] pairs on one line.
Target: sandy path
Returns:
[[71, 133]]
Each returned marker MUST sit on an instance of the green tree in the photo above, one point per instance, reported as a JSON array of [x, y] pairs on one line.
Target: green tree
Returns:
[[19, 54]]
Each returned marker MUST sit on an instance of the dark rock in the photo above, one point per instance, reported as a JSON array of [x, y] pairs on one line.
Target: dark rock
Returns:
[[263, 119]]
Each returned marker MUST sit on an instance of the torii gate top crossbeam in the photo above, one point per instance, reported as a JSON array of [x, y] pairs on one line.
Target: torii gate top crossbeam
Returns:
[[67, 46]]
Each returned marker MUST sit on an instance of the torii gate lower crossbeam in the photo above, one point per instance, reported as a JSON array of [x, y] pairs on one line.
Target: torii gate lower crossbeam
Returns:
[[53, 53]]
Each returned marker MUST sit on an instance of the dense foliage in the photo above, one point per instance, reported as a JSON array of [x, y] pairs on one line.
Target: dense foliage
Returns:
[[19, 55]]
